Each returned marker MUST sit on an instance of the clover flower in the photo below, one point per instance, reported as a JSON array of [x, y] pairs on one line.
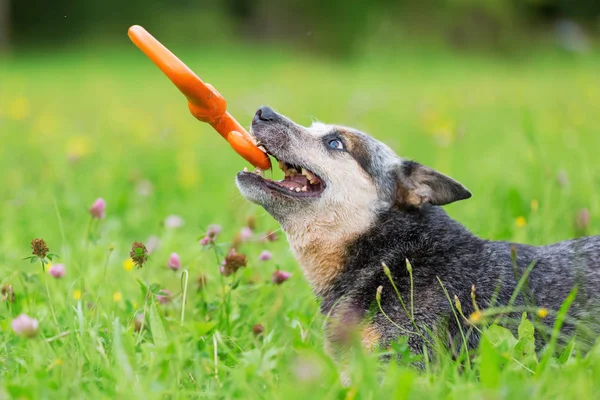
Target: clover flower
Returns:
[[98, 208], [24, 325]]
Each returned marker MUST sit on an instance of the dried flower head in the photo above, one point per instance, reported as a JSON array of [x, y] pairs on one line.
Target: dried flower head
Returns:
[[280, 276], [258, 329], [271, 236], [201, 281], [8, 293], [251, 222], [233, 261], [39, 248], [139, 254]]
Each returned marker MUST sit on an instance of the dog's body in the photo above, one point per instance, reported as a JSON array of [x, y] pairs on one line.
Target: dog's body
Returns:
[[360, 206]]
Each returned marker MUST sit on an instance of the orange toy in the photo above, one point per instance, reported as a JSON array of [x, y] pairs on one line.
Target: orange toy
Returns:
[[204, 102]]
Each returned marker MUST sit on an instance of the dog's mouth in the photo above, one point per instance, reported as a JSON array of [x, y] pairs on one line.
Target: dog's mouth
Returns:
[[298, 181]]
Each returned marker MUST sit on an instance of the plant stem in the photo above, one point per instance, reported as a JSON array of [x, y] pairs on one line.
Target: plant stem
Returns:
[[223, 286], [87, 255], [26, 292], [48, 293], [184, 284], [141, 331], [103, 286]]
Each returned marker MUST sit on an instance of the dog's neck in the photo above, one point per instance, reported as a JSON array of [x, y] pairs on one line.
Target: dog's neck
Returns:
[[319, 244], [427, 238]]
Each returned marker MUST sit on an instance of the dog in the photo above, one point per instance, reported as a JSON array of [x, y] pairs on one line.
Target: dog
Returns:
[[369, 232]]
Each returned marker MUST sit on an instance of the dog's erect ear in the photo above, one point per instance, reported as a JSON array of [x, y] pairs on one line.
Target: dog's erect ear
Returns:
[[418, 184]]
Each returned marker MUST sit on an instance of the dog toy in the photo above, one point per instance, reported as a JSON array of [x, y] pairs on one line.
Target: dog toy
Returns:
[[204, 102]]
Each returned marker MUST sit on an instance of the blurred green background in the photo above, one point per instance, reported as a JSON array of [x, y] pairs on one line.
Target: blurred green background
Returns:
[[501, 95], [333, 27]]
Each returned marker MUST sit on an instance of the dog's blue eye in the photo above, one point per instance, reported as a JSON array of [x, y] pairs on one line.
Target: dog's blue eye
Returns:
[[336, 144]]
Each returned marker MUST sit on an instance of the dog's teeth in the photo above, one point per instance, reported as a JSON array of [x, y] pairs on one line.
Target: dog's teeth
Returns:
[[298, 189], [304, 188], [292, 189], [259, 172], [262, 148], [245, 169], [308, 175]]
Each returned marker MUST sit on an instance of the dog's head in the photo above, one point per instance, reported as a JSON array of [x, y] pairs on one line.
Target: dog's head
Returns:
[[337, 176]]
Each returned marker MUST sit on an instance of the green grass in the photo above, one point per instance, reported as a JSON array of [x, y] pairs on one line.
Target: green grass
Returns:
[[82, 125]]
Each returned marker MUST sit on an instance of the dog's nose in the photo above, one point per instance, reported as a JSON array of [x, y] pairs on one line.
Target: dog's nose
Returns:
[[265, 114]]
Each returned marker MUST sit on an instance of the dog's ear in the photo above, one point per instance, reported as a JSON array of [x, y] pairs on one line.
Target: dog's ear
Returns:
[[418, 184]]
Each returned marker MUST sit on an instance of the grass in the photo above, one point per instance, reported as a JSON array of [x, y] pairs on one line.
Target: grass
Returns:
[[521, 134]]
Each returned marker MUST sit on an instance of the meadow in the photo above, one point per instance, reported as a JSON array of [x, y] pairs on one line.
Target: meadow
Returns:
[[521, 132]]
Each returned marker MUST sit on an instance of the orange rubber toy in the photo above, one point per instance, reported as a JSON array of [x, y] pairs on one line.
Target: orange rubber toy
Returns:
[[204, 102]]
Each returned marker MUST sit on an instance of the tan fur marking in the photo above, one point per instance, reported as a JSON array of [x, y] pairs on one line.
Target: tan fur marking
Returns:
[[370, 337], [321, 259], [354, 144], [407, 196], [320, 246]]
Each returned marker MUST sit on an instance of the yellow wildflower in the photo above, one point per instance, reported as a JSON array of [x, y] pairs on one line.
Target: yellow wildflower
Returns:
[[128, 264], [475, 317], [117, 296], [187, 175], [535, 205], [19, 109], [56, 363], [76, 294], [521, 222], [78, 146], [351, 394], [542, 312]]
